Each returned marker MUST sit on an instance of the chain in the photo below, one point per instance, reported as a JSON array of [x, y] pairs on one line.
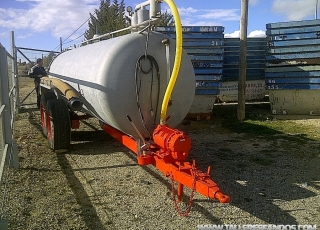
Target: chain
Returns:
[[188, 209]]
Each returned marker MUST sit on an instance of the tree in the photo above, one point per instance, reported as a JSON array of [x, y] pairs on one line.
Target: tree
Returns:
[[166, 19], [47, 59], [109, 17]]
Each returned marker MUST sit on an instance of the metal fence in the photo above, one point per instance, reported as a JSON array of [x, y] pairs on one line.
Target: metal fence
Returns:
[[8, 148], [25, 59], [12, 68]]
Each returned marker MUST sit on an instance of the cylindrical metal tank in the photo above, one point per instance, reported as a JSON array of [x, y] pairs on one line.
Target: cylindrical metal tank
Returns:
[[143, 15], [115, 78]]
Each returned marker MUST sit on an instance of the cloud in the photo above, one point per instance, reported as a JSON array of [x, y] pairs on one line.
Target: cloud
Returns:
[[203, 17], [187, 11], [294, 10], [221, 14], [29, 0], [253, 2], [25, 36], [191, 22], [3, 34], [257, 34], [63, 17], [215, 14], [59, 17], [252, 34], [234, 34]]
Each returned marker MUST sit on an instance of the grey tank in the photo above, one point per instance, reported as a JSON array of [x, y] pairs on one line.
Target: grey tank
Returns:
[[112, 85]]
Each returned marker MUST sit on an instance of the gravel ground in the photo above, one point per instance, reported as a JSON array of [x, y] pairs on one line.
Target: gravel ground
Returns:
[[98, 184]]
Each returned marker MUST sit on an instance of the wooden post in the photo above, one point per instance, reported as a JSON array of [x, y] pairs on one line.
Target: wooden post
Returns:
[[316, 11], [60, 44], [241, 110]]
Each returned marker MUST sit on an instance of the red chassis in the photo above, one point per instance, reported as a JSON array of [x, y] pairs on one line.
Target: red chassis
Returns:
[[168, 153]]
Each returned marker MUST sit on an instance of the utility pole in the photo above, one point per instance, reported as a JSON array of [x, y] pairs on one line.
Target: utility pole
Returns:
[[316, 10], [241, 110], [60, 44]]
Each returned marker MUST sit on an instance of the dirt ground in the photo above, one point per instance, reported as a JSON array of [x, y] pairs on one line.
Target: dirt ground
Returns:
[[271, 179]]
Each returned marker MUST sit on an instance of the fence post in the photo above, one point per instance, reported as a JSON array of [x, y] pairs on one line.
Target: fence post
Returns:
[[15, 78]]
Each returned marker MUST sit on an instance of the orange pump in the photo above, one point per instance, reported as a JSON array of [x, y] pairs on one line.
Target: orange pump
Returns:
[[172, 141]]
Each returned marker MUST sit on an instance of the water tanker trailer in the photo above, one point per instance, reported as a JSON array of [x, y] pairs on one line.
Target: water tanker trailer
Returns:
[[140, 86]]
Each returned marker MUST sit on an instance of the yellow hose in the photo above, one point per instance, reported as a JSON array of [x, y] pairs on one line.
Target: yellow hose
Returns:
[[67, 90], [74, 102], [177, 61]]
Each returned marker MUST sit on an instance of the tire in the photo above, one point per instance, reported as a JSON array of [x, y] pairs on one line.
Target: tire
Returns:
[[58, 125], [45, 96]]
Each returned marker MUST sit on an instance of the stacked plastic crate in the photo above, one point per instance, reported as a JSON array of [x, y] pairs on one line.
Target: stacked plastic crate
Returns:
[[293, 67], [255, 73], [204, 45]]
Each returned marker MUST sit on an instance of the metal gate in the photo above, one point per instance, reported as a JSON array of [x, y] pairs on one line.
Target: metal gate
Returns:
[[9, 150], [13, 68], [25, 59]]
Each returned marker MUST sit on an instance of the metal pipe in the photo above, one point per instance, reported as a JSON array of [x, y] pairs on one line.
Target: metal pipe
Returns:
[[134, 19], [145, 145], [141, 5], [155, 8], [143, 15], [23, 48], [146, 23], [166, 42], [14, 75], [75, 104]]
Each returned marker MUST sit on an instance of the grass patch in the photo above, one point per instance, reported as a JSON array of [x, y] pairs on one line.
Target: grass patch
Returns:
[[259, 123]]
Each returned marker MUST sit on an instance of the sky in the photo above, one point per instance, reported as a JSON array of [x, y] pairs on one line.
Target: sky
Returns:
[[39, 24]]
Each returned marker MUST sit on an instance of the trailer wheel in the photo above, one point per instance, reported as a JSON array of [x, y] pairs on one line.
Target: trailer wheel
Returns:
[[45, 96], [58, 125]]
